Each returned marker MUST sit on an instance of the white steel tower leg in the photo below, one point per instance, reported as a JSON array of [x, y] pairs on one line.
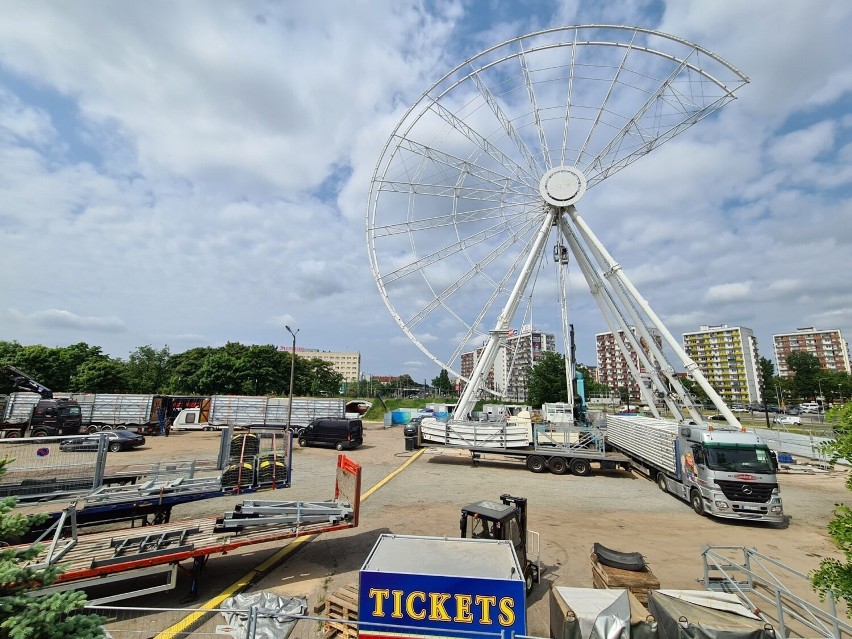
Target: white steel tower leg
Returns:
[[477, 380], [617, 324], [613, 270]]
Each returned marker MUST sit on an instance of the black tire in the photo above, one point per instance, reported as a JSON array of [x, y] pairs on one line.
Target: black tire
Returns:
[[536, 464], [697, 501], [120, 427], [114, 447], [339, 446], [303, 442], [529, 580], [558, 465], [91, 429], [40, 432], [581, 467], [661, 482]]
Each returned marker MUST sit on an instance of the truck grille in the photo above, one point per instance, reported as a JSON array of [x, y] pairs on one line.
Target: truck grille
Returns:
[[745, 491]]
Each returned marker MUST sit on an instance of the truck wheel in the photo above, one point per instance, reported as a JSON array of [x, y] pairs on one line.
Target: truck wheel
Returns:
[[557, 465], [581, 467], [39, 432], [536, 464], [91, 428], [697, 501], [529, 580], [303, 442], [661, 482]]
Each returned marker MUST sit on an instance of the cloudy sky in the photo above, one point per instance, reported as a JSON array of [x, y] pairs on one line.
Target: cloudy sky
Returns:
[[192, 173]]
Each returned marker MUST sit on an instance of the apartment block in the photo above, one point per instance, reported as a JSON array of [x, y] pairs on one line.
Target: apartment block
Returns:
[[828, 346], [347, 364], [729, 359], [516, 355], [612, 368]]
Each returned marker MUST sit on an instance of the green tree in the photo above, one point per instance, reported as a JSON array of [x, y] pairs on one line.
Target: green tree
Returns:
[[23, 615], [324, 380], [103, 375], [806, 370], [834, 574], [148, 369], [767, 372], [442, 384], [547, 380]]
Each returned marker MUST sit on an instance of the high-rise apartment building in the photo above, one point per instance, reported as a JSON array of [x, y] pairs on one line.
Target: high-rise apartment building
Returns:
[[515, 356], [828, 346], [728, 358], [612, 366]]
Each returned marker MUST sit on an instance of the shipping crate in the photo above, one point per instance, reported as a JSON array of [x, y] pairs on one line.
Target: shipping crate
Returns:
[[639, 582]]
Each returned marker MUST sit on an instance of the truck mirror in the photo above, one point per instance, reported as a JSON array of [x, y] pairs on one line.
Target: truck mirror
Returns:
[[774, 456]]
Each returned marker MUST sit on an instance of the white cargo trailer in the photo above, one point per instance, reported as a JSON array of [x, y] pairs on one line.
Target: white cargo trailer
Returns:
[[221, 411]]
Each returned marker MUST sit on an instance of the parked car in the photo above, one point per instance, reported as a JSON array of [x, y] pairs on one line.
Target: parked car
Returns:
[[792, 410], [718, 418], [116, 440], [738, 408], [787, 420]]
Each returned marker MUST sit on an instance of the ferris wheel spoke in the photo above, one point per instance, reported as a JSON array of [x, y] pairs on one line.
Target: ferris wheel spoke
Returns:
[[566, 123], [516, 171], [475, 269], [438, 221], [506, 123], [482, 194], [446, 252], [542, 138]]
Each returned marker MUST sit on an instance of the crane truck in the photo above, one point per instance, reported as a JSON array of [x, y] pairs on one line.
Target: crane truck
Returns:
[[33, 410], [722, 472]]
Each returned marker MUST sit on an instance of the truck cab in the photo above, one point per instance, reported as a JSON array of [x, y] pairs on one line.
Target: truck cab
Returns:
[[504, 520]]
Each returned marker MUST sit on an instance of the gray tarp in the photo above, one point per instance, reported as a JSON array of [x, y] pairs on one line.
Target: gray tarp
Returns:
[[697, 614], [588, 613], [273, 614]]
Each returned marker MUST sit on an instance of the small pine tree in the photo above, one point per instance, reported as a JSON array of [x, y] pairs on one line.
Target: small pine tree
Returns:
[[27, 616]]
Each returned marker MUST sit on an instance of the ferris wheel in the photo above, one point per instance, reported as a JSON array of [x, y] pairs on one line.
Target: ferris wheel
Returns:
[[486, 170]]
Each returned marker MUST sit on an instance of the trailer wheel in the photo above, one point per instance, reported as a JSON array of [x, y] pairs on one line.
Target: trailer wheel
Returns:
[[557, 465], [697, 501], [529, 580], [661, 482], [536, 464], [91, 428], [581, 467]]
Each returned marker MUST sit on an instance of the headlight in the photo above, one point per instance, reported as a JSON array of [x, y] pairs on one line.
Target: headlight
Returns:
[[777, 509], [721, 504]]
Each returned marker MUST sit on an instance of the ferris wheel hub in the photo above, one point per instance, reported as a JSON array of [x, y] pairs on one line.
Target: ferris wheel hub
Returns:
[[562, 185]]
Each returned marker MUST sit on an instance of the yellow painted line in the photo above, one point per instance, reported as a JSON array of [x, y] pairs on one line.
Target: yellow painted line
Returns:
[[184, 624]]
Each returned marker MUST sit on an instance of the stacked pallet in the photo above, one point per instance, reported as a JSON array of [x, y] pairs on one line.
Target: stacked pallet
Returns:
[[341, 605], [639, 582]]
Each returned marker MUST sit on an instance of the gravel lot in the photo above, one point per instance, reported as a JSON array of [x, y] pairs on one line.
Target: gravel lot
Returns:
[[620, 510]]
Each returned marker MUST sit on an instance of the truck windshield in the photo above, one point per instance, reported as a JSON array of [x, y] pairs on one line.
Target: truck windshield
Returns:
[[70, 411], [739, 459]]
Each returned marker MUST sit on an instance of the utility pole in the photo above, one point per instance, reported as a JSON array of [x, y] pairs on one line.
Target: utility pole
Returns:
[[292, 371]]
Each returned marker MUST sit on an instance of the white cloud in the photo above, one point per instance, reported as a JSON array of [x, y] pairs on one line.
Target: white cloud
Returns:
[[204, 178]]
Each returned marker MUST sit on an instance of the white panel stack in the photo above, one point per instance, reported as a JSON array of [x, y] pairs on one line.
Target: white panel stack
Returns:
[[652, 440]]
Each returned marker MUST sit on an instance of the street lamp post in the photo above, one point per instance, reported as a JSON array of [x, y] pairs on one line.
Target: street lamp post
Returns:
[[292, 372]]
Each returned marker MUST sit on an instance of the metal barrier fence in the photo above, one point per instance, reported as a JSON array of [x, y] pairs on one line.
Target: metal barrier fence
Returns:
[[46, 467], [242, 623]]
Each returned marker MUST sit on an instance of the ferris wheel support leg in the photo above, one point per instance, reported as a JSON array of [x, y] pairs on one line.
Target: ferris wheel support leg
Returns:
[[656, 367], [639, 323], [607, 262], [477, 379], [615, 321]]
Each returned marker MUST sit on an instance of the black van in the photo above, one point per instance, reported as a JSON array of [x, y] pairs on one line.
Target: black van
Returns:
[[330, 431]]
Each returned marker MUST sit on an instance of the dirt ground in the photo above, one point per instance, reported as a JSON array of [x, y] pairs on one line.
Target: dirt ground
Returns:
[[618, 509]]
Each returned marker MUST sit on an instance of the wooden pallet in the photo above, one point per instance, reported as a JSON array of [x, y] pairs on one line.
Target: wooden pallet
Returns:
[[639, 582], [341, 604]]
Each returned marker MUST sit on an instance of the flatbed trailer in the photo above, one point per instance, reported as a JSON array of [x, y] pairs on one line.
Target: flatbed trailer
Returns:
[[557, 461], [116, 557]]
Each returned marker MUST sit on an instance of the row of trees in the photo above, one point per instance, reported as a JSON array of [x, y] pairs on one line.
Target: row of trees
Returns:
[[233, 369]]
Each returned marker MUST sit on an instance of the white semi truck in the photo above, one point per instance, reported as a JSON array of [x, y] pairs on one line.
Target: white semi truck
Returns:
[[723, 472]]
